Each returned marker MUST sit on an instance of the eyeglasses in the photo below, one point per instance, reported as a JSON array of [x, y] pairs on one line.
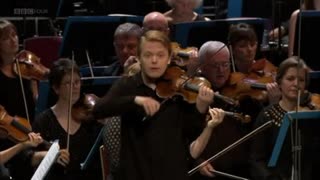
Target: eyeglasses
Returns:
[[224, 65]]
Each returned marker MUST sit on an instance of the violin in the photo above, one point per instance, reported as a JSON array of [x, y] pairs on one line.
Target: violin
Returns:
[[181, 55], [309, 101], [82, 109], [15, 128], [30, 66], [263, 68], [175, 82], [240, 85]]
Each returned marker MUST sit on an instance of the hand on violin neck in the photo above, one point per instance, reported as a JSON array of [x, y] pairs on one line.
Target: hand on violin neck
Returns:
[[215, 118], [149, 105], [204, 99], [34, 140]]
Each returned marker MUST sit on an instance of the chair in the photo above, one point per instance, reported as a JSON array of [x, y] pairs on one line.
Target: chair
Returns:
[[45, 47]]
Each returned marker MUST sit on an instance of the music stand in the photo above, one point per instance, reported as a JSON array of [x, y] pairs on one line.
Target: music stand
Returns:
[[197, 33], [92, 34], [310, 27], [303, 118]]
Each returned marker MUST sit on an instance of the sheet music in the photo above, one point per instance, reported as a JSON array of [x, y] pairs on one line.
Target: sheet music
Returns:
[[47, 162]]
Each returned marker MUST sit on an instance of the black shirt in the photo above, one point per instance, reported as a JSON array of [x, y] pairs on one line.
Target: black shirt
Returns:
[[153, 148], [80, 145]]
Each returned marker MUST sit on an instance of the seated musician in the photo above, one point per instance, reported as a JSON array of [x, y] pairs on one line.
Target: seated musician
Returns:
[[147, 151], [215, 67], [18, 158], [126, 38], [243, 41], [292, 76], [76, 134]]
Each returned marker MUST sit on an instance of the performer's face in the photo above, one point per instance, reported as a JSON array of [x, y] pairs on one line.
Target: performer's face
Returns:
[[244, 52], [154, 59], [217, 68], [63, 91], [292, 80], [9, 42]]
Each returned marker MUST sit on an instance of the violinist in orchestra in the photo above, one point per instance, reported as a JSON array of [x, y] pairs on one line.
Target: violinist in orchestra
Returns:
[[157, 135], [243, 42], [126, 38], [292, 76], [66, 123], [214, 58], [11, 96], [17, 98]]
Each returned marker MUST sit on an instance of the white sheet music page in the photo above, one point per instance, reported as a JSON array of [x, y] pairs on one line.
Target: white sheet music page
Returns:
[[47, 161]]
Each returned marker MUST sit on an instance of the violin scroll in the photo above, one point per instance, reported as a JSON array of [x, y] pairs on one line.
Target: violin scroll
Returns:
[[181, 55]]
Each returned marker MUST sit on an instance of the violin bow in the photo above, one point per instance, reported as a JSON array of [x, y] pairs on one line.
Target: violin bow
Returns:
[[70, 101], [295, 138], [22, 89], [232, 58]]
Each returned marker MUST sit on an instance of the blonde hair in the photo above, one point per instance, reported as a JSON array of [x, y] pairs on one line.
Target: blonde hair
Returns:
[[155, 36]]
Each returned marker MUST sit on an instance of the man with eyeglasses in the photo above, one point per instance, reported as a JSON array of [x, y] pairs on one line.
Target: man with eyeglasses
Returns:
[[214, 65]]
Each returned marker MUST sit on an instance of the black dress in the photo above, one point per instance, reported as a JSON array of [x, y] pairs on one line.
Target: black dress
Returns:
[[80, 144], [152, 148], [264, 142]]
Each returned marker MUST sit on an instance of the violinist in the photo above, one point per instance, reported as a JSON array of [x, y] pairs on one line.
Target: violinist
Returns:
[[215, 66], [126, 38], [157, 135], [11, 98], [243, 41], [53, 124], [291, 77]]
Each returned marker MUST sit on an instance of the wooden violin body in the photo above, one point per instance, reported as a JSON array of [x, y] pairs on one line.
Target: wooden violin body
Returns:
[[82, 109], [181, 55], [30, 66], [15, 128]]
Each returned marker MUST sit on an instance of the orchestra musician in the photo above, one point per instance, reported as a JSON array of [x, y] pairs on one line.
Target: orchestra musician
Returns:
[[243, 41], [20, 158], [156, 133], [55, 124], [214, 58], [292, 76], [126, 38]]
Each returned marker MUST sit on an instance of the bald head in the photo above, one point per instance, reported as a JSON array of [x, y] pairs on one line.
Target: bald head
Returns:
[[156, 21]]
